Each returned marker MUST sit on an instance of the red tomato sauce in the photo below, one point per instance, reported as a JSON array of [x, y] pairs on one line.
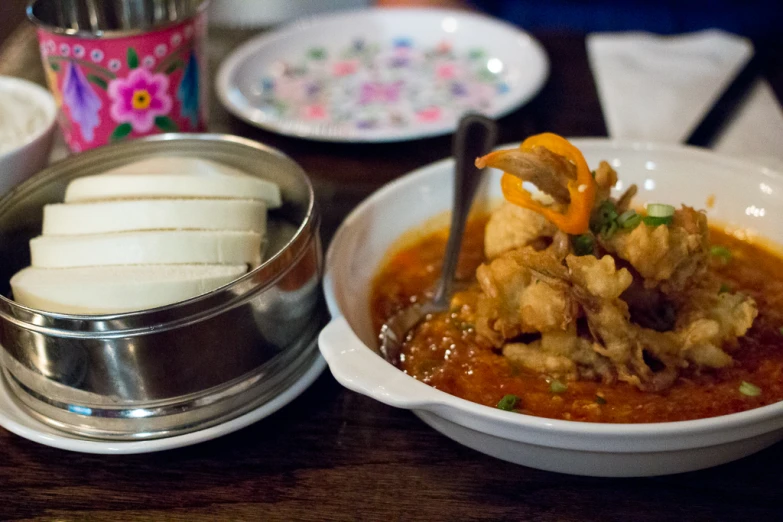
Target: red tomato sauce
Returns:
[[445, 352]]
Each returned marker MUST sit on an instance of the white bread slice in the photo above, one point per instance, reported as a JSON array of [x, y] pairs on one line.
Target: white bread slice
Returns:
[[154, 214], [227, 247], [115, 289], [173, 177]]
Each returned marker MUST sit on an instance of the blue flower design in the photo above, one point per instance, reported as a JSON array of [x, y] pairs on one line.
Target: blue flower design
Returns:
[[188, 91], [81, 101]]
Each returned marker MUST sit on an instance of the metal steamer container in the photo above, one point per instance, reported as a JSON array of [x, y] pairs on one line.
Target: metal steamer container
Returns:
[[178, 368]]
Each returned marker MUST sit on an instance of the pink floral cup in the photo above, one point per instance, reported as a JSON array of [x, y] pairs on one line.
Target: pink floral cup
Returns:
[[119, 72]]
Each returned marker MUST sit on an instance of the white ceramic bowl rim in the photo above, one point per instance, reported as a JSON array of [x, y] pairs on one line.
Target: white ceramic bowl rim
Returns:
[[41, 98], [432, 399]]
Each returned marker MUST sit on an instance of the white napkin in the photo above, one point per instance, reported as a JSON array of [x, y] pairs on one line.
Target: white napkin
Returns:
[[657, 88]]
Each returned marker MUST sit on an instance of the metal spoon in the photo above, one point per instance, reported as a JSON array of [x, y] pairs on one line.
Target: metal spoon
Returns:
[[475, 137]]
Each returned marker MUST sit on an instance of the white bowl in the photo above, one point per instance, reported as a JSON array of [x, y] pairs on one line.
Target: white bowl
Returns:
[[746, 195], [32, 153]]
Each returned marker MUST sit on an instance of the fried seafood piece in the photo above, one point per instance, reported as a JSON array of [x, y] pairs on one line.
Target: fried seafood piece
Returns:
[[644, 358], [666, 256], [710, 322], [548, 171], [523, 291], [605, 179], [562, 355], [511, 227], [640, 312]]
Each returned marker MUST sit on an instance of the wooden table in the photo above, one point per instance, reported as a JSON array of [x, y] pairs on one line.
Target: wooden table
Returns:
[[336, 455]]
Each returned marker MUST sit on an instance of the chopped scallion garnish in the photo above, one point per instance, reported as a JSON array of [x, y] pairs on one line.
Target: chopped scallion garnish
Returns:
[[654, 221], [604, 218], [508, 402], [583, 245], [721, 252], [629, 219], [724, 288], [600, 400], [751, 390], [557, 386], [609, 230], [660, 210]]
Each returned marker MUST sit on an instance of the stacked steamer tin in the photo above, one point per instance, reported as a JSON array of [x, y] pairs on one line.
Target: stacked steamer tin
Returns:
[[178, 368]]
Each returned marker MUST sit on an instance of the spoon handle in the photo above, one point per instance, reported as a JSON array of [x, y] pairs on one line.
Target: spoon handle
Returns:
[[475, 136]]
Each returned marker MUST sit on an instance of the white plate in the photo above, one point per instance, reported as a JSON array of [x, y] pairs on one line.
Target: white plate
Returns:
[[748, 197], [17, 421], [380, 75]]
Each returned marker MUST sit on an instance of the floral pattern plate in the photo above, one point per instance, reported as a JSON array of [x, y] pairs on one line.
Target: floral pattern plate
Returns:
[[381, 74]]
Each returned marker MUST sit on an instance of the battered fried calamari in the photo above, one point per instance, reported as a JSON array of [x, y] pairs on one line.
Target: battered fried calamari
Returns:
[[631, 299]]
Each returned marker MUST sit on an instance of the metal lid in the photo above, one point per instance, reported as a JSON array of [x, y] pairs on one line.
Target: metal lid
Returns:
[[116, 19]]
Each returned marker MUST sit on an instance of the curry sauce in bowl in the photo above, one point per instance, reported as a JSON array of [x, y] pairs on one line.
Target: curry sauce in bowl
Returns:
[[447, 353], [699, 382]]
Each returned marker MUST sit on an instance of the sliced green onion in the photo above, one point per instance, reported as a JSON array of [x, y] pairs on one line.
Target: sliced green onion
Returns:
[[600, 400], [609, 229], [603, 217], [721, 252], [508, 402], [583, 245], [628, 215], [557, 386], [660, 210], [632, 222], [654, 221], [751, 390], [724, 288]]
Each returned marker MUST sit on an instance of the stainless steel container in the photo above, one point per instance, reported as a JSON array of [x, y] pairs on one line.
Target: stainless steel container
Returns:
[[110, 18], [178, 368]]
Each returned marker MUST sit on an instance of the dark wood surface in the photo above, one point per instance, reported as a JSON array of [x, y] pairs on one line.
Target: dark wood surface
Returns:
[[336, 455]]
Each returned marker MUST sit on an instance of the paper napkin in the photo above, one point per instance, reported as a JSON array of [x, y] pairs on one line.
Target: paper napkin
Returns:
[[657, 88]]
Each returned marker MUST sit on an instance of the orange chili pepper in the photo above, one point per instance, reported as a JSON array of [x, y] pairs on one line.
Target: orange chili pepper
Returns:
[[576, 219]]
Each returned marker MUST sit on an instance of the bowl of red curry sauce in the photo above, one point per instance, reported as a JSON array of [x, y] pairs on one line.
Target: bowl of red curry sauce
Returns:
[[388, 253]]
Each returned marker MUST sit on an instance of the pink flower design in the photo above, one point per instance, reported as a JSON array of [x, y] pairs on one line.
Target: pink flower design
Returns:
[[446, 71], [429, 114], [315, 112], [139, 98], [443, 47], [378, 92], [345, 67]]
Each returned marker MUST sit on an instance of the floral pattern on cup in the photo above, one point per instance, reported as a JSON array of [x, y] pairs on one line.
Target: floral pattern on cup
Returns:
[[382, 85], [138, 100], [111, 89]]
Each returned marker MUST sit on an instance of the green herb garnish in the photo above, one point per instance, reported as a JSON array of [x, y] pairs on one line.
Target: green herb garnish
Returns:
[[721, 252], [600, 400], [751, 390], [724, 288], [583, 245], [557, 386], [508, 402], [654, 221], [660, 210], [629, 220], [604, 220]]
